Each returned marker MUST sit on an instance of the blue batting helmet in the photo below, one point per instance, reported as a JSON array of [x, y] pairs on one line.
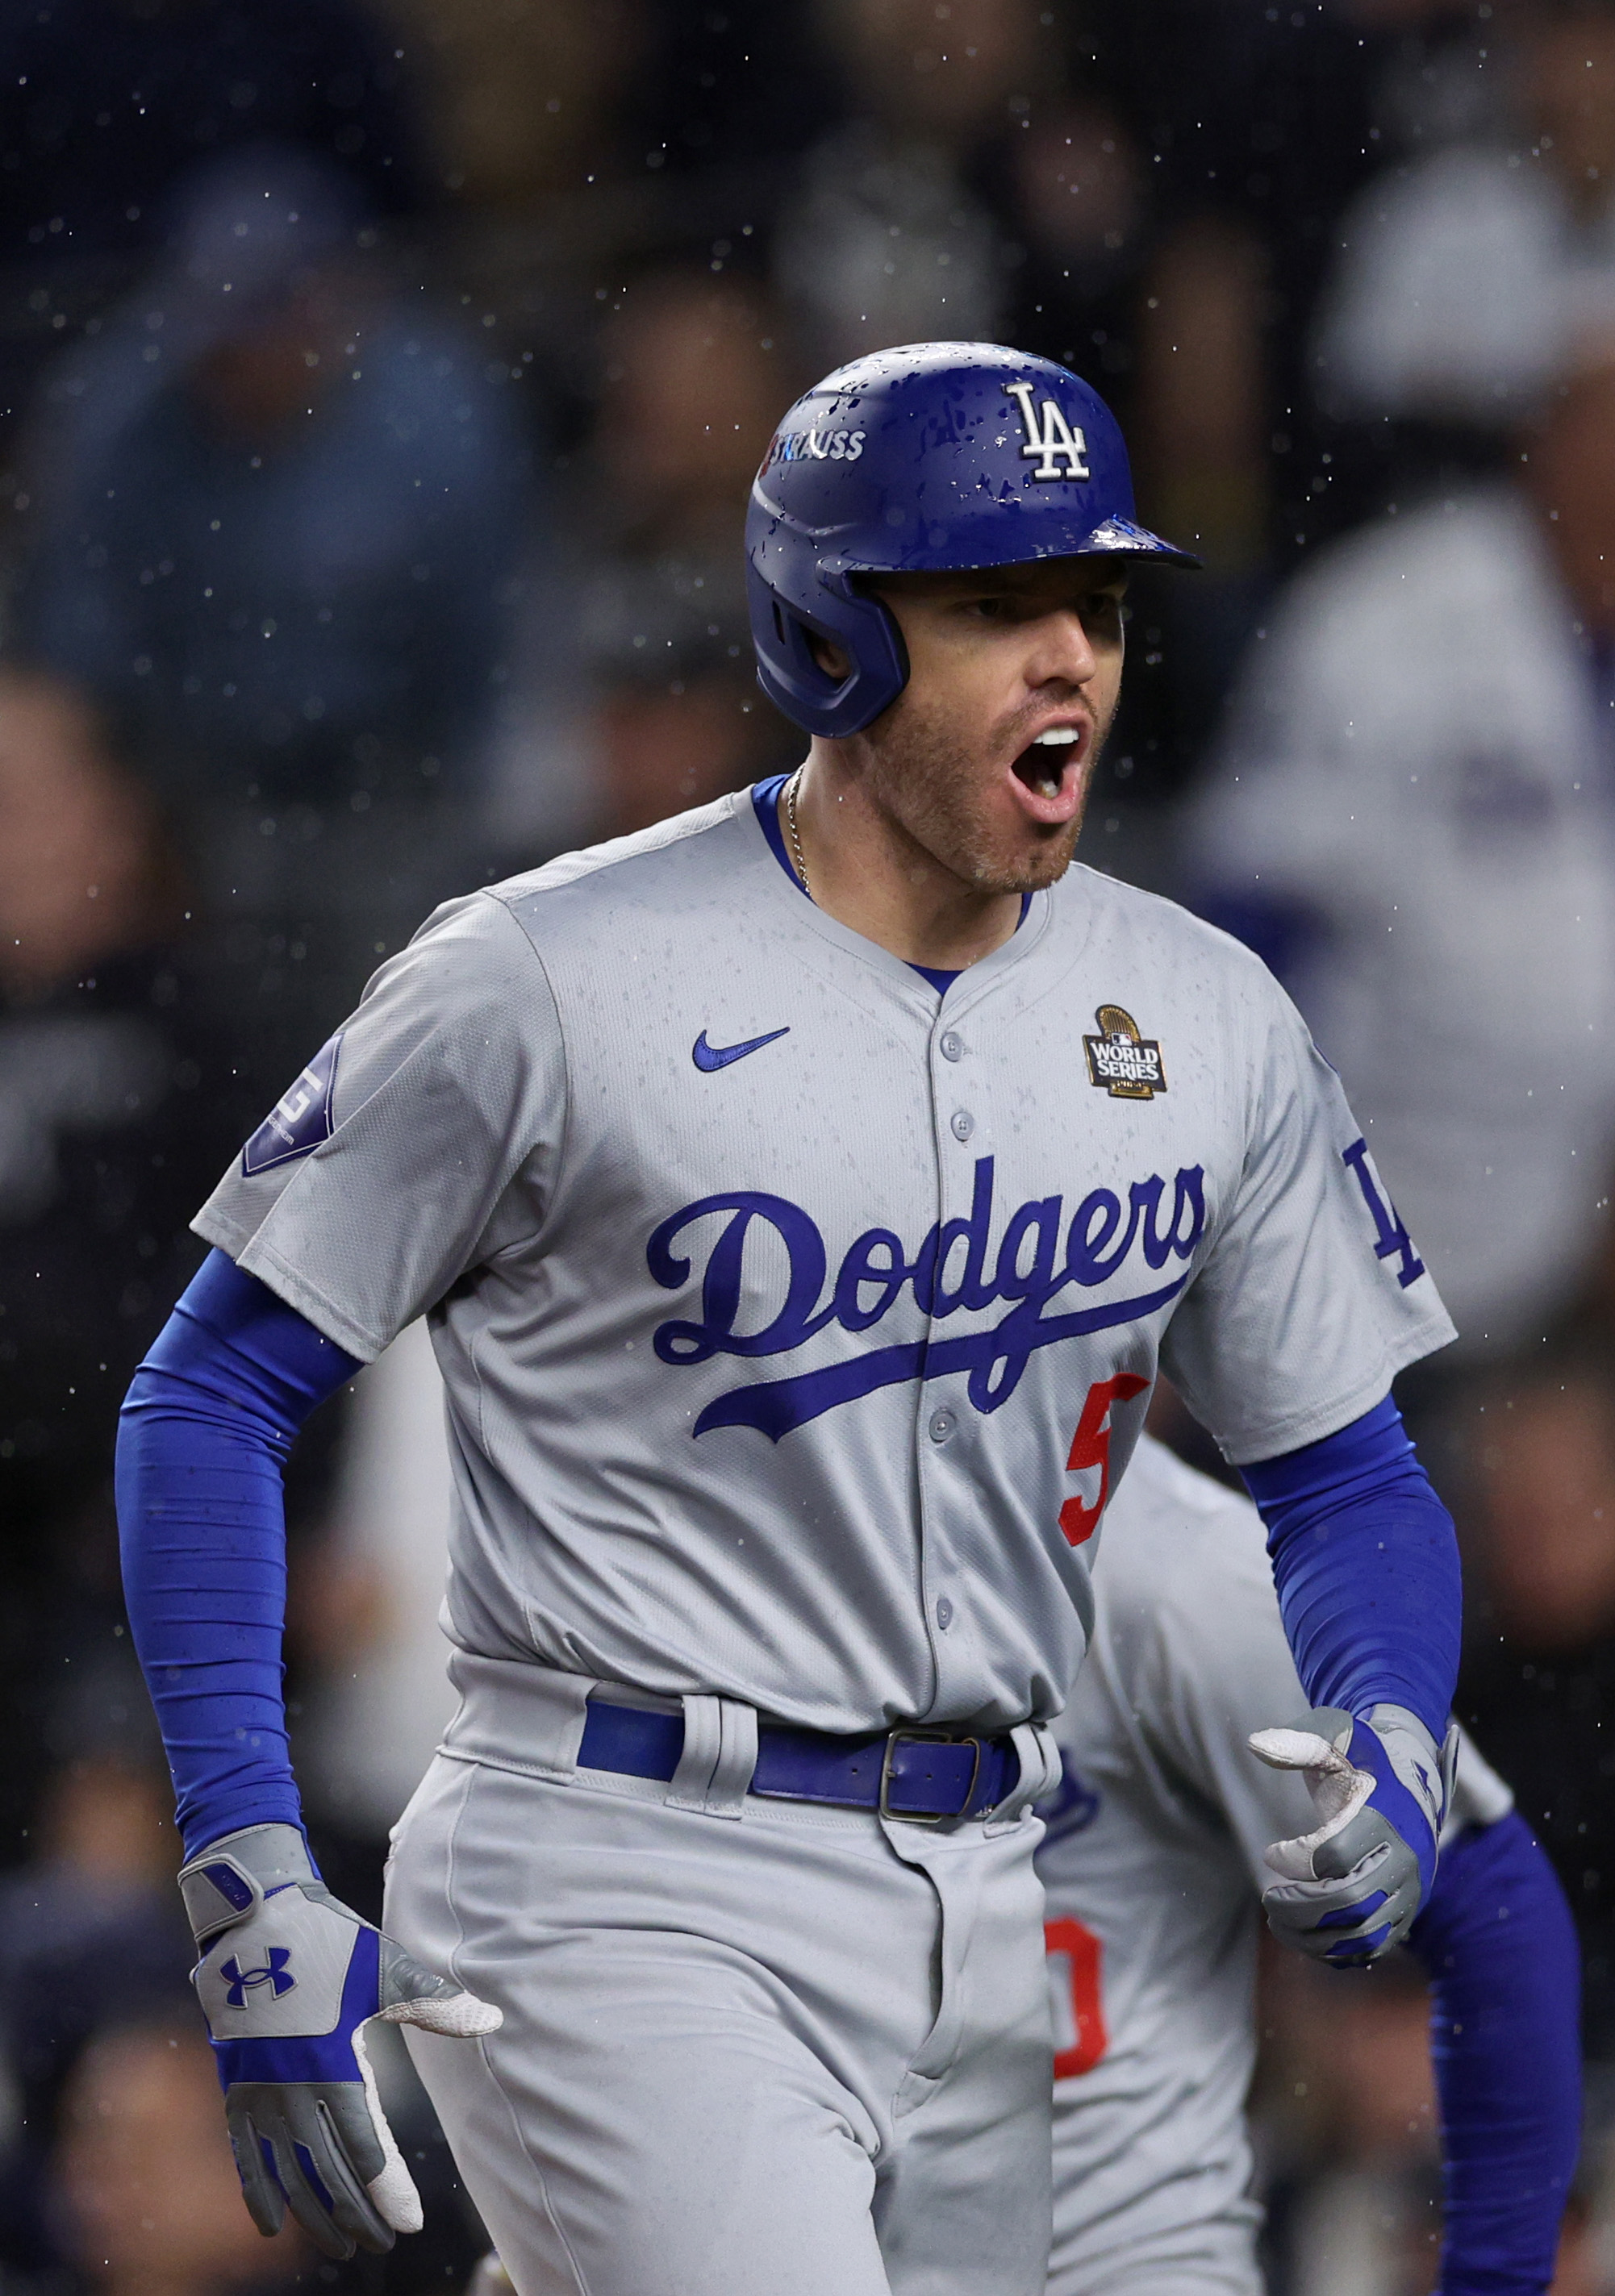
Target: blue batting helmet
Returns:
[[934, 457]]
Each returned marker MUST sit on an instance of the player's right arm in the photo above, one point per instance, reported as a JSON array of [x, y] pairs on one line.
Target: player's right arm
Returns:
[[288, 1977], [431, 1104]]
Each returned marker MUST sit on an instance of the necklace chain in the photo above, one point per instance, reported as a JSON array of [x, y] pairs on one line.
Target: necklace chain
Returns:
[[790, 816]]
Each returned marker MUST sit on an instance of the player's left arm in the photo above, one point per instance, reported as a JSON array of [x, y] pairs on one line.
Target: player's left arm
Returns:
[[1497, 1941], [1365, 1563], [1309, 1299], [1495, 1936]]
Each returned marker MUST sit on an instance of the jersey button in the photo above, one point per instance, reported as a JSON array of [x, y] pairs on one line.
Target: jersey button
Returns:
[[953, 1047], [944, 1612], [943, 1423], [963, 1124]]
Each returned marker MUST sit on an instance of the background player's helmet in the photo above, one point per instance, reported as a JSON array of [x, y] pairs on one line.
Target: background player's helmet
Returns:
[[936, 456]]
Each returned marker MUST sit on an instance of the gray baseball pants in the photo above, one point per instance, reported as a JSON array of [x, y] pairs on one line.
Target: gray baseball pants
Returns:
[[751, 2047]]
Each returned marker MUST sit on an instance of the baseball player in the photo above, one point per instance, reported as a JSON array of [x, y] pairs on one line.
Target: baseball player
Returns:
[[1152, 1859], [802, 1195]]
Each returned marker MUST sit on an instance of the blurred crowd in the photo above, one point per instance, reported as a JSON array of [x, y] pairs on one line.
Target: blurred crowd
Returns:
[[380, 385]]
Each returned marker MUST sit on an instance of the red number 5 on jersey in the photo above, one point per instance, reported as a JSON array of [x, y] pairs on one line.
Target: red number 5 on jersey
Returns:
[[1091, 1448]]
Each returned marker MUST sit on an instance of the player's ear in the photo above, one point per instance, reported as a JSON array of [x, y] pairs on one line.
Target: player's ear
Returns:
[[829, 657]]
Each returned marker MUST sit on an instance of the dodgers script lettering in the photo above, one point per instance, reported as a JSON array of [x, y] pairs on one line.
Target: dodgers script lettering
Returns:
[[1039, 1254]]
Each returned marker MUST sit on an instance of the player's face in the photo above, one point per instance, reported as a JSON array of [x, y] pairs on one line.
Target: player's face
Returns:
[[987, 756]]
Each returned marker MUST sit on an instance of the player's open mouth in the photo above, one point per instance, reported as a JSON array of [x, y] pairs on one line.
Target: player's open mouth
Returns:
[[1049, 769]]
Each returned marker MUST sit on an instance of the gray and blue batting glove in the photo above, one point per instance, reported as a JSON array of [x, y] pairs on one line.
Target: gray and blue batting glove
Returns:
[[1350, 1890], [288, 1980]]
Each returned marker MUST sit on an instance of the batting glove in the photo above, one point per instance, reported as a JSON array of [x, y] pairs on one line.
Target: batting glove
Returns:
[[289, 1977], [1349, 1889]]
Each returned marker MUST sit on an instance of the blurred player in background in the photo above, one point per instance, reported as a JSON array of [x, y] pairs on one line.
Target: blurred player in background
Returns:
[[1154, 1860]]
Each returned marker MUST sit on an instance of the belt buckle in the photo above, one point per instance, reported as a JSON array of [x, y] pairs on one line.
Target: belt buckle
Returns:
[[928, 1738]]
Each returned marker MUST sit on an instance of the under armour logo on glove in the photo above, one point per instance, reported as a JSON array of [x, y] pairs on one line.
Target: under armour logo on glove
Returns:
[[274, 1974], [306, 2122]]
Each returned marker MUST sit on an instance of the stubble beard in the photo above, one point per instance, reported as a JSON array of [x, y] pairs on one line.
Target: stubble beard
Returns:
[[928, 785]]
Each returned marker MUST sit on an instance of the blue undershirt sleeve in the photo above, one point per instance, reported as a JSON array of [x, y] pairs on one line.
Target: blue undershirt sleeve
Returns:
[[1365, 1562], [1498, 1942], [202, 1441]]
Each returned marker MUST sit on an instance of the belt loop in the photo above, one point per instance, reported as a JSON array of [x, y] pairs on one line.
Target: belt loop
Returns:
[[1040, 1772], [715, 1772]]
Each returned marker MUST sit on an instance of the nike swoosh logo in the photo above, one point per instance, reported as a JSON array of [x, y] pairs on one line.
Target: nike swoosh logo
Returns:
[[708, 1057]]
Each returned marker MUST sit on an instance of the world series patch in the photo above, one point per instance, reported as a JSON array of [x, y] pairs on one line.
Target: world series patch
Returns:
[[1120, 1061]]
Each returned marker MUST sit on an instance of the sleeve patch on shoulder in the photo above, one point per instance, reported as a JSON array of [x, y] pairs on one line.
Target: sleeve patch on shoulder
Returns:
[[301, 1119], [1392, 1238]]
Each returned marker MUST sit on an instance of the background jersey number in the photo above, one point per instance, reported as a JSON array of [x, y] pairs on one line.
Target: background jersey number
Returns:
[[1091, 1448], [1070, 1941]]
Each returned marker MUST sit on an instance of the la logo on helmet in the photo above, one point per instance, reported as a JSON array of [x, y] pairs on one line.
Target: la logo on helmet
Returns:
[[1055, 438]]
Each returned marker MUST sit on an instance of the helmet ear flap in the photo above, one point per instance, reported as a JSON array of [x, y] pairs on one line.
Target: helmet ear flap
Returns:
[[797, 682]]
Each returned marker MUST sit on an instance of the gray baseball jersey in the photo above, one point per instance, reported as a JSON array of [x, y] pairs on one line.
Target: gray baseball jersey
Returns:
[[1152, 1865], [793, 1320]]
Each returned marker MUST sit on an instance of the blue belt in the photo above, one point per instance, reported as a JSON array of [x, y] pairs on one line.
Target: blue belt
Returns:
[[922, 1774]]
